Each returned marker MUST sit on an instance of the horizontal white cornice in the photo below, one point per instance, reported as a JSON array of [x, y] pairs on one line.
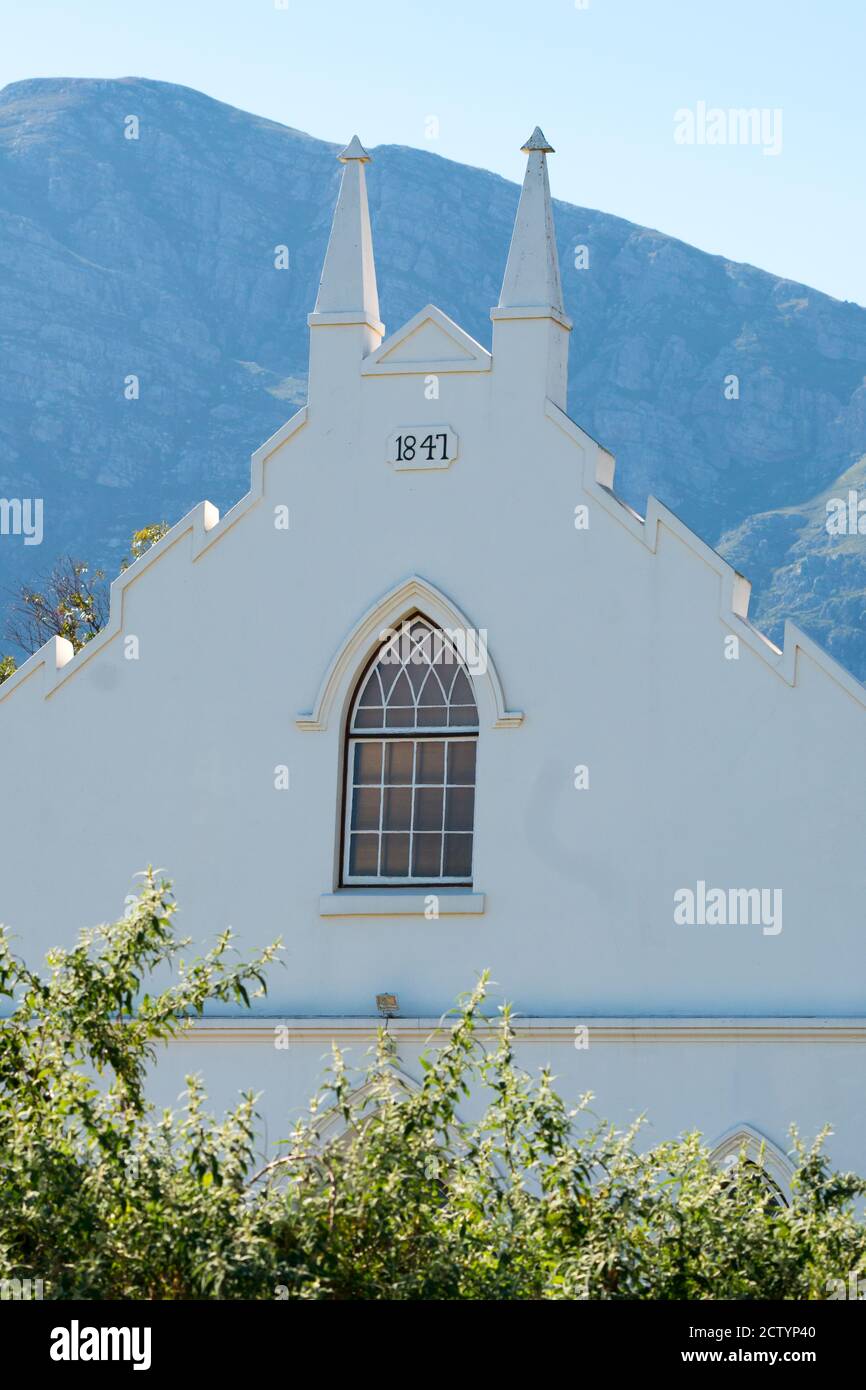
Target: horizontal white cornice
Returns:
[[600, 1030]]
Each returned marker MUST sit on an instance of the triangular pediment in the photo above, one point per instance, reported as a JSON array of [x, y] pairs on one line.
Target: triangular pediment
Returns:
[[429, 342]]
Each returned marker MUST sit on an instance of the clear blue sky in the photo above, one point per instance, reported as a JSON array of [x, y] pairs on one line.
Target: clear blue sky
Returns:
[[603, 82]]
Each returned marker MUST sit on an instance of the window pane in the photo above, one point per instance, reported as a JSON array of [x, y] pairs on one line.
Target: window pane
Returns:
[[365, 808], [368, 763], [433, 692], [390, 672], [364, 854], [461, 690], [418, 669], [398, 809], [459, 808], [431, 761], [426, 854], [443, 656], [458, 856], [463, 717], [461, 762], [371, 717], [432, 717], [428, 808], [372, 692], [400, 718], [395, 856], [401, 691], [389, 662], [398, 762]]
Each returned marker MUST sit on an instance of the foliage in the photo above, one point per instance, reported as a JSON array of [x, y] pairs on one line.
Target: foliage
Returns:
[[72, 602], [384, 1191], [142, 541]]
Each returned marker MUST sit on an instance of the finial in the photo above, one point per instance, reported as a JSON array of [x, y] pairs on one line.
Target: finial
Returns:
[[354, 150], [537, 141], [531, 280], [347, 289]]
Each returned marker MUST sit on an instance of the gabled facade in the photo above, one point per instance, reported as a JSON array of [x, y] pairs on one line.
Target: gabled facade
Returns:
[[589, 772]]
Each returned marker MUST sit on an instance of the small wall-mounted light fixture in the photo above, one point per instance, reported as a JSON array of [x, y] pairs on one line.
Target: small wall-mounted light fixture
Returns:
[[387, 1005]]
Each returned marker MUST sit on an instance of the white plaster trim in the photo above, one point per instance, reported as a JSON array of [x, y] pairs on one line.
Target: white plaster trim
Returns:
[[759, 1150], [344, 318], [526, 311], [602, 1031], [56, 659], [478, 359], [734, 588], [360, 643], [270, 446], [358, 902]]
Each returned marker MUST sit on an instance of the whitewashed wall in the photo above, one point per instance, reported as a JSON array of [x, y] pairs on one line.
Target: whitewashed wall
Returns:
[[610, 641]]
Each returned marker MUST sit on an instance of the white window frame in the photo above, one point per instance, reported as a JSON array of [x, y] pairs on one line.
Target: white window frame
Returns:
[[458, 734]]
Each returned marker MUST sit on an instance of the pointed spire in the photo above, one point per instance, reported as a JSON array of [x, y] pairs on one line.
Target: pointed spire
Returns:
[[531, 278], [537, 141], [354, 150], [347, 289]]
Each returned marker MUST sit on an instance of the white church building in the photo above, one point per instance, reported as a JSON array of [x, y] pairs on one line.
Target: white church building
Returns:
[[432, 699]]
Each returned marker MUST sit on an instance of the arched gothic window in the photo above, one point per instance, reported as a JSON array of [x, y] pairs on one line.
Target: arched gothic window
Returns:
[[410, 764], [744, 1147], [736, 1166]]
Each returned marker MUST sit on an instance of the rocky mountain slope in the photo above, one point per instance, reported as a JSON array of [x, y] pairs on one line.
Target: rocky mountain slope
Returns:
[[154, 257]]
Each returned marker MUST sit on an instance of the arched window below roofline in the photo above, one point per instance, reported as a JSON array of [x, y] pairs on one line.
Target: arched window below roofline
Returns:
[[359, 645], [410, 763], [758, 1149]]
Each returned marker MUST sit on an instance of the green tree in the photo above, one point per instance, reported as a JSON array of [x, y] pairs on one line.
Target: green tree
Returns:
[[73, 602], [142, 541], [80, 1147], [383, 1191]]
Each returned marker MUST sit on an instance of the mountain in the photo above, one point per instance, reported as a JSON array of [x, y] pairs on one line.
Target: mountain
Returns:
[[154, 257]]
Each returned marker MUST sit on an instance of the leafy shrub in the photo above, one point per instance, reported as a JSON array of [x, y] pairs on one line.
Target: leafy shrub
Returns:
[[382, 1192]]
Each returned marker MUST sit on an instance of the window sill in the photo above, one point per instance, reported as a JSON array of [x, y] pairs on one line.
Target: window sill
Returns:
[[372, 902]]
